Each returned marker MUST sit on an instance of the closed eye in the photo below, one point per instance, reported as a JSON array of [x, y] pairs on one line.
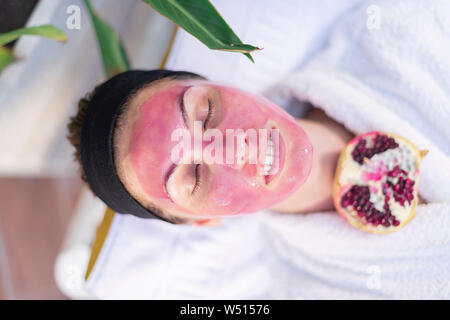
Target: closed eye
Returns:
[[188, 185], [188, 177]]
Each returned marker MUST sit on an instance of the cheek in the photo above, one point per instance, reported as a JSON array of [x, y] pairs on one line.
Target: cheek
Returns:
[[149, 171], [232, 190], [241, 111], [226, 195]]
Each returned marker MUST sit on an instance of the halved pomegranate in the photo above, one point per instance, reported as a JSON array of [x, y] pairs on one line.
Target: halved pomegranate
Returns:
[[375, 186]]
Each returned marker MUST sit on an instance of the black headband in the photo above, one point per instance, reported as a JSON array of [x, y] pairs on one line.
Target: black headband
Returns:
[[97, 154]]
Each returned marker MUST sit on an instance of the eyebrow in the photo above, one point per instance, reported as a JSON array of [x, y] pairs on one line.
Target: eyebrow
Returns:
[[181, 105], [166, 178]]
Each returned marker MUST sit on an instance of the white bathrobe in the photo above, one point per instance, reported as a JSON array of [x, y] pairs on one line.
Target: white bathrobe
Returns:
[[376, 65]]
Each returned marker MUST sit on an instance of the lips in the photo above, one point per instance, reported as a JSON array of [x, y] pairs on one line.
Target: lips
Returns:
[[274, 157]]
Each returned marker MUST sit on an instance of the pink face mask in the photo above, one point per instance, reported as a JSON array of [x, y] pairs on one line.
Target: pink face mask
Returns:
[[178, 183]]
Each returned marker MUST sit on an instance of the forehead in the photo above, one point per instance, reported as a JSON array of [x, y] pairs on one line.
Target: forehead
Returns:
[[138, 98], [130, 115], [123, 134], [132, 110]]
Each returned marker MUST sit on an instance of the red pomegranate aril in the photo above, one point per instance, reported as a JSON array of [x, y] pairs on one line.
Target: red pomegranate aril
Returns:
[[381, 144]]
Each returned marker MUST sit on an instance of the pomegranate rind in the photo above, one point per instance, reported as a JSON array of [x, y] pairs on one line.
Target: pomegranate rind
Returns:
[[339, 190]]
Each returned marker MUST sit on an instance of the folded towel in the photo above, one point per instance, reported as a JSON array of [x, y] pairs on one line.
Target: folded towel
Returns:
[[391, 75]]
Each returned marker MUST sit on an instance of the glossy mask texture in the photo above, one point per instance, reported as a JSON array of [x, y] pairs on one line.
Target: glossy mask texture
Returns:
[[217, 189]]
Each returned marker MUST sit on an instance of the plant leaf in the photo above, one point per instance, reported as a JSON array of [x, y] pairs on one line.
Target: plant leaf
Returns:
[[46, 31], [6, 57], [113, 53], [201, 19]]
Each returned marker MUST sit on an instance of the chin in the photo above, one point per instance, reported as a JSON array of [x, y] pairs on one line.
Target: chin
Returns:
[[296, 157]]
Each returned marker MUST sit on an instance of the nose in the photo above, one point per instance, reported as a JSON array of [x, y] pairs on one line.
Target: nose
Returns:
[[236, 153], [239, 158], [231, 151]]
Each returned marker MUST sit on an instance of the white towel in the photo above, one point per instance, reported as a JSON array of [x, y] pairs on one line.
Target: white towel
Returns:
[[383, 79]]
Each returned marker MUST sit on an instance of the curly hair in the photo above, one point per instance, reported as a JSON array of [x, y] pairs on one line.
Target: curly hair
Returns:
[[74, 129]]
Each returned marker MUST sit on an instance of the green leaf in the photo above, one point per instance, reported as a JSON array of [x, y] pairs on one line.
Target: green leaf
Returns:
[[201, 19], [113, 53], [47, 31], [6, 57]]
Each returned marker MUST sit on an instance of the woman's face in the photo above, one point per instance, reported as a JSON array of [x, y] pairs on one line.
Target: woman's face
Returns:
[[197, 149]]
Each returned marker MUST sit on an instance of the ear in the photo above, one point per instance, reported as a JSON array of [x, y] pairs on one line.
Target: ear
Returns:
[[214, 222]]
